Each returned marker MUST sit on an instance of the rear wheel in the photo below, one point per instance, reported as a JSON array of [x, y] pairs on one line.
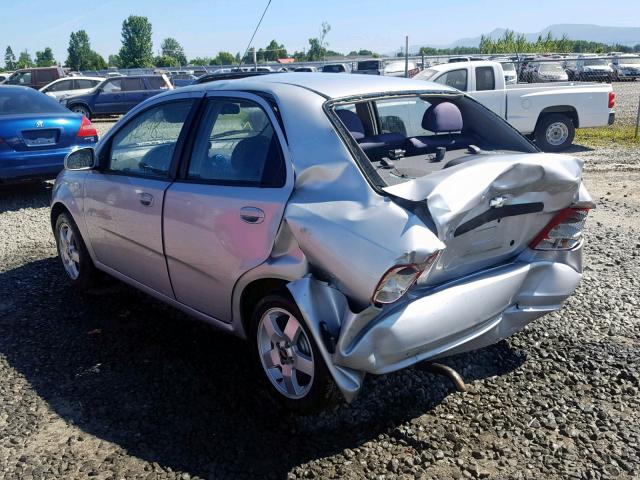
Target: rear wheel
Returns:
[[555, 132], [288, 357], [73, 254], [81, 109]]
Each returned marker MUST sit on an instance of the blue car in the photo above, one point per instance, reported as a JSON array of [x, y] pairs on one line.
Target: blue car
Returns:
[[117, 95], [36, 133]]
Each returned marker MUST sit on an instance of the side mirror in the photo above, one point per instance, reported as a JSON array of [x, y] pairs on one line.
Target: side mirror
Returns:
[[80, 159]]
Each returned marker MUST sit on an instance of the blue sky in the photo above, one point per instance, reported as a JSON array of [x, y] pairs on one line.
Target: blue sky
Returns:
[[206, 27]]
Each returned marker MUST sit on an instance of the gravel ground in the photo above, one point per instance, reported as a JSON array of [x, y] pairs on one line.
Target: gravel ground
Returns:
[[115, 385], [627, 98]]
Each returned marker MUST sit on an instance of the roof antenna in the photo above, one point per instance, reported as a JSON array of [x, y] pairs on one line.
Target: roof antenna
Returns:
[[254, 34]]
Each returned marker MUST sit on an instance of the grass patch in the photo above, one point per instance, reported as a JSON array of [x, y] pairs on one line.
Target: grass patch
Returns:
[[616, 134]]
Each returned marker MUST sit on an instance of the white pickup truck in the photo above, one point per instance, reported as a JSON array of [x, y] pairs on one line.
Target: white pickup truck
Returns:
[[548, 112]]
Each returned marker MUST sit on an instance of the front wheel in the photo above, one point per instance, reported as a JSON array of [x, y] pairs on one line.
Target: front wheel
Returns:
[[73, 254], [555, 132], [288, 357]]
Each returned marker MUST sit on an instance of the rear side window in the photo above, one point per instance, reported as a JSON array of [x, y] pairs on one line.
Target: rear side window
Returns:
[[237, 145], [82, 83], [454, 78], [145, 145], [156, 83], [132, 84], [16, 101], [46, 76], [485, 78]]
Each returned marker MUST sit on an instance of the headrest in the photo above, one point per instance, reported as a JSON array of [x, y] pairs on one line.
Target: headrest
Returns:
[[352, 122], [442, 117]]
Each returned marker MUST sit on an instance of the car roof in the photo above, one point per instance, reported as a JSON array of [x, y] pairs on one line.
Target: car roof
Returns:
[[330, 86]]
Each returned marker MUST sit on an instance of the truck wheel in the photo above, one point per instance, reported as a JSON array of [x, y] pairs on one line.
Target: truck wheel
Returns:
[[288, 358], [81, 109], [555, 132]]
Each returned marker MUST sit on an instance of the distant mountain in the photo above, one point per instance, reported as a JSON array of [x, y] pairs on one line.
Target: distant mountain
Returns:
[[594, 33]]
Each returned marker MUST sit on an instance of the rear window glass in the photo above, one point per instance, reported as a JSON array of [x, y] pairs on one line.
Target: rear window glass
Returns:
[[369, 65], [132, 84], [46, 76], [19, 101]]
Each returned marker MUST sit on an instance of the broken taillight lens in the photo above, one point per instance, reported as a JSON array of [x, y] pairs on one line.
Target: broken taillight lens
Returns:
[[399, 279], [564, 232]]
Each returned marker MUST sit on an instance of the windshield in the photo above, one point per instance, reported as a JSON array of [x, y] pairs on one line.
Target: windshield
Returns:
[[421, 134], [426, 74], [595, 62], [551, 67], [20, 101], [508, 67]]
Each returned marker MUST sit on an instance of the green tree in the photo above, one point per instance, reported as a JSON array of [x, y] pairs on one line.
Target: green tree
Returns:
[[171, 48], [137, 48], [225, 58], [9, 59], [45, 58], [79, 51], [114, 61], [96, 62], [274, 51], [201, 61], [166, 61], [316, 51], [24, 60]]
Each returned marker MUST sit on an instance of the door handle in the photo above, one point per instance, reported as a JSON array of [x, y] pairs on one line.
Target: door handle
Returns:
[[146, 199], [252, 215]]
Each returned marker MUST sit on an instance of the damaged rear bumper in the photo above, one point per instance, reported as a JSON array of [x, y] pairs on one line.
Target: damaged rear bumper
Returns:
[[460, 316]]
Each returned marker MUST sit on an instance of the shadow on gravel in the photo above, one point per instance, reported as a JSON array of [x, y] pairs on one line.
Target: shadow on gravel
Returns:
[[15, 197], [132, 371], [577, 149]]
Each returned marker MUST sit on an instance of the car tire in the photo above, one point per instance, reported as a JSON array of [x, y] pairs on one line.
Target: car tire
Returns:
[[72, 252], [280, 347], [81, 109], [555, 132]]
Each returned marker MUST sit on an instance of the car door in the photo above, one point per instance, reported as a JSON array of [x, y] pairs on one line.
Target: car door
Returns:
[[108, 97], [222, 214], [485, 89], [124, 197]]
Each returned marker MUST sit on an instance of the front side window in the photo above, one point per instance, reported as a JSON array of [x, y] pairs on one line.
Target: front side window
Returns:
[[113, 86], [145, 145], [485, 79], [20, 78], [60, 86], [237, 145], [454, 78]]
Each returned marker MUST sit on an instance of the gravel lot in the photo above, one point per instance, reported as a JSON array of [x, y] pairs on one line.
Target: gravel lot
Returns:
[[115, 385]]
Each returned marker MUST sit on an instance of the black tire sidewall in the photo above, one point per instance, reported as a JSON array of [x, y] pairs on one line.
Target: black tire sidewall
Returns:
[[86, 269], [541, 137], [323, 391], [85, 110]]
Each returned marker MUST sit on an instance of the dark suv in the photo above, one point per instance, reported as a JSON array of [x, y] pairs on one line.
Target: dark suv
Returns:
[[118, 95], [35, 77]]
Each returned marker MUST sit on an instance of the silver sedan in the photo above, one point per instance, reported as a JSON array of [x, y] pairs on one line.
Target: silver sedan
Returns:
[[344, 225]]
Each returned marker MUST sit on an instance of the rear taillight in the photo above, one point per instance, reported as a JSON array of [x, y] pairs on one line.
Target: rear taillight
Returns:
[[564, 232], [612, 99], [87, 129], [399, 279]]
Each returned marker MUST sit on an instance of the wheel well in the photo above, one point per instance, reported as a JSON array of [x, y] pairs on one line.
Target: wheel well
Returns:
[[565, 109], [81, 104], [254, 292], [56, 210]]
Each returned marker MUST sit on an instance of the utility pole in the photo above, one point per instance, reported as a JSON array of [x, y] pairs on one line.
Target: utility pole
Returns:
[[406, 56], [255, 59], [637, 120]]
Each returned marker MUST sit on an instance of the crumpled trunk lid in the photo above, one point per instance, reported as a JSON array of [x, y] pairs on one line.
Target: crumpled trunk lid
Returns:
[[488, 209]]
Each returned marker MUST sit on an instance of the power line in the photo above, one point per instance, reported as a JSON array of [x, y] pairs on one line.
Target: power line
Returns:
[[254, 33]]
